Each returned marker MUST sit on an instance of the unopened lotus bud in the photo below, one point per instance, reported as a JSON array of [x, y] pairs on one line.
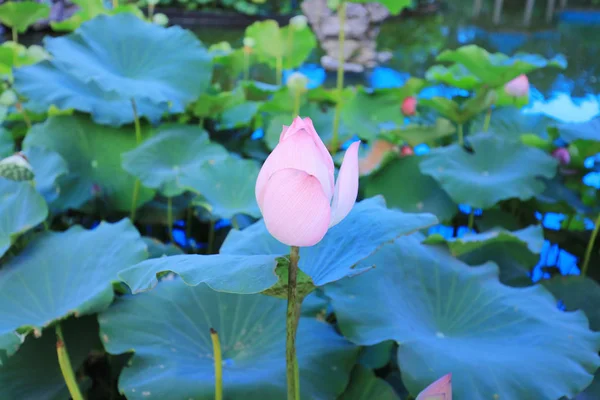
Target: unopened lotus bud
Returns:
[[16, 168], [249, 42], [160, 19], [562, 155], [297, 82], [409, 106], [407, 151], [298, 22]]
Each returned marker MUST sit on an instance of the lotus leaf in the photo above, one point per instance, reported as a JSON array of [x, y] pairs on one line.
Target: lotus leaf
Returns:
[[21, 15]]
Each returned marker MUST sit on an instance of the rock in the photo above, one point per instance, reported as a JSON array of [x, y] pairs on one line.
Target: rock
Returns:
[[331, 64], [331, 47]]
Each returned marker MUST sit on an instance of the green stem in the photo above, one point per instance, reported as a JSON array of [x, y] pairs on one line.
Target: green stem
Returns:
[[115, 4], [471, 219], [246, 66], [211, 237], [138, 140], [340, 77], [293, 305], [150, 11], [218, 364], [488, 118], [279, 70], [590, 246], [26, 118], [234, 223], [170, 218], [65, 365], [461, 140], [15, 35], [296, 111]]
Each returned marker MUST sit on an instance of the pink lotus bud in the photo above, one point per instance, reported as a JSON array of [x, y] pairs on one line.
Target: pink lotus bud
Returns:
[[409, 106], [438, 390], [518, 87], [562, 155], [407, 151], [295, 187]]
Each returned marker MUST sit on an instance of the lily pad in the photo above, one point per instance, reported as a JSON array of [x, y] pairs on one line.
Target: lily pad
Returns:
[[173, 151], [65, 273], [368, 226], [457, 75], [131, 62], [497, 69], [405, 187], [364, 385], [14, 55], [238, 116], [490, 174], [251, 328], [93, 154], [34, 373], [21, 208], [577, 293], [48, 166], [415, 134], [227, 185], [497, 341], [21, 15]]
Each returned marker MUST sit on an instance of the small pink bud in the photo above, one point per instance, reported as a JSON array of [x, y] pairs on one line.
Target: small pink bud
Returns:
[[295, 189], [409, 106], [438, 390], [407, 151], [562, 155], [518, 87]]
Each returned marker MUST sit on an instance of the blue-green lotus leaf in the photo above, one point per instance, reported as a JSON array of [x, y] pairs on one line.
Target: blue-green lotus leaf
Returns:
[[21, 208], [417, 193], [494, 171], [173, 151], [415, 134], [93, 155], [131, 61], [176, 319], [227, 185], [572, 132], [455, 75], [238, 116], [45, 85], [592, 392], [7, 143], [511, 123], [225, 273], [88, 9], [48, 166], [376, 356], [157, 249], [21, 15], [364, 385], [34, 373], [65, 273], [448, 317], [369, 225], [497, 69], [577, 293]]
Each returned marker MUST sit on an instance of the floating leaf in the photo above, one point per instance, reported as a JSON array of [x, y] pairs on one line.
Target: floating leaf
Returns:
[[449, 318], [497, 69], [178, 318], [364, 385], [93, 154], [173, 151], [456, 76], [577, 293], [21, 208], [65, 273], [22, 15], [405, 187], [483, 178]]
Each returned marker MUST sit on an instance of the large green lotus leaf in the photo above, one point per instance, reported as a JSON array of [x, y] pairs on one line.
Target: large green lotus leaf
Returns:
[[21, 208], [88, 9], [48, 166], [46, 85], [168, 329], [238, 116], [227, 185], [497, 69], [364, 385], [395, 6], [93, 155], [405, 187], [34, 373], [589, 131], [503, 99], [211, 105], [415, 134], [173, 151], [22, 15], [376, 356], [131, 61], [447, 317], [577, 293], [14, 55], [157, 249], [369, 225], [456, 76], [244, 274], [65, 273], [464, 112], [445, 107], [492, 172], [7, 143], [511, 123]]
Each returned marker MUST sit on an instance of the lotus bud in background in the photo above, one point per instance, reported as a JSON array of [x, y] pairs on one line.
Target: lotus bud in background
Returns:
[[295, 189], [160, 19], [249, 44], [518, 87], [8, 98], [406, 150], [298, 22], [562, 155], [438, 390], [375, 156], [16, 168], [297, 82], [409, 106]]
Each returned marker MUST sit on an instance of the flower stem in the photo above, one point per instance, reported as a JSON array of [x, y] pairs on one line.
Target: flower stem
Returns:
[[340, 77], [246, 66], [293, 381], [488, 118], [65, 365], [214, 336], [590, 246], [279, 69], [115, 4], [26, 118], [138, 140], [296, 112], [150, 11], [461, 140], [15, 35], [211, 237], [170, 218], [471, 219]]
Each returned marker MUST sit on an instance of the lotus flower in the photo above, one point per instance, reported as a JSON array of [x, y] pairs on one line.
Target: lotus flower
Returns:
[[518, 87], [562, 155], [438, 390], [295, 187], [409, 106]]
